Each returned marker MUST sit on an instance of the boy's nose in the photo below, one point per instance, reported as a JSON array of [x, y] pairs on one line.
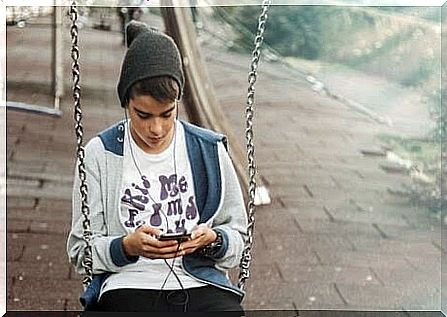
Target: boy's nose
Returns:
[[156, 127]]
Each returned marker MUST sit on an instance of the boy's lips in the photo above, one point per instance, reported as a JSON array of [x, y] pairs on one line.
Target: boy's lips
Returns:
[[155, 140]]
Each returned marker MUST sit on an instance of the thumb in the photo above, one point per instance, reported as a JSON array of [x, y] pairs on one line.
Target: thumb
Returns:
[[199, 230]]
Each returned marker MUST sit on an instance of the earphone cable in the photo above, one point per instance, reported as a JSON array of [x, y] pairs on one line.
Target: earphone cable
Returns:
[[138, 168], [171, 267]]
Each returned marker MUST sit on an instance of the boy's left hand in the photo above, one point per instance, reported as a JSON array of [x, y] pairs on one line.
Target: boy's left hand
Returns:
[[201, 236]]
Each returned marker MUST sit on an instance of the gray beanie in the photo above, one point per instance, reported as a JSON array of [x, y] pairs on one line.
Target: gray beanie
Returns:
[[150, 53]]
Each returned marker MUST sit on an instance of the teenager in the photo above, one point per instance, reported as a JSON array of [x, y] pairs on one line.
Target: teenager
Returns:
[[151, 175]]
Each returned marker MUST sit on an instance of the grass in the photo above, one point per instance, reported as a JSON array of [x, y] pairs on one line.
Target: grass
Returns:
[[420, 74], [424, 152], [388, 46]]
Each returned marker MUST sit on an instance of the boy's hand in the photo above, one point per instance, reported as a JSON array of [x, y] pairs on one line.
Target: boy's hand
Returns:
[[144, 242], [200, 237]]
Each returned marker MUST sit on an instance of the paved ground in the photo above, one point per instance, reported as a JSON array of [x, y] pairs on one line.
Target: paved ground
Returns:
[[333, 237]]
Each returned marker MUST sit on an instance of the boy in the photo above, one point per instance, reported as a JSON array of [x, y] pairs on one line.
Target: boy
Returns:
[[151, 175]]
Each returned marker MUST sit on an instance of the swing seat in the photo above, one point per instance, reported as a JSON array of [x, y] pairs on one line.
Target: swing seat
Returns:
[[90, 296]]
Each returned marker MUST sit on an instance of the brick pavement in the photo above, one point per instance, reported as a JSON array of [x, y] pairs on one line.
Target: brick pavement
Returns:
[[333, 237]]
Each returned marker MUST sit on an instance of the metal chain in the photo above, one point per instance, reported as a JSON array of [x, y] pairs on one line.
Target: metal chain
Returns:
[[87, 261], [249, 113]]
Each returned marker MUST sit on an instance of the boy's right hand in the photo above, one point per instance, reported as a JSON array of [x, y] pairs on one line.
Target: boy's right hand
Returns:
[[144, 242]]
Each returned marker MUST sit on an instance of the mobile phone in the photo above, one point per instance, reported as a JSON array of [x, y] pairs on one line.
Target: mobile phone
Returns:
[[179, 236]]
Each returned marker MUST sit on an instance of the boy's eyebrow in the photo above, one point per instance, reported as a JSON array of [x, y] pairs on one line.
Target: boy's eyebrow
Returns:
[[169, 110], [150, 114]]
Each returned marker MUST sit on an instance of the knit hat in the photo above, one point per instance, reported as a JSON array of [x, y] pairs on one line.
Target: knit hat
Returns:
[[150, 53]]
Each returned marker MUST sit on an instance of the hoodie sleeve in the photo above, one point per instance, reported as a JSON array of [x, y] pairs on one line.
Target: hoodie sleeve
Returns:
[[107, 251], [231, 218]]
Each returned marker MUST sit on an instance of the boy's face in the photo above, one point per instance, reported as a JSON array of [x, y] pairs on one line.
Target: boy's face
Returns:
[[152, 123]]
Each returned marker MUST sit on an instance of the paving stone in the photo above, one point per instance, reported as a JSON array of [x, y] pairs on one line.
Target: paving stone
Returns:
[[31, 136], [311, 215], [268, 271], [406, 276], [11, 139], [275, 220], [375, 177], [10, 152], [427, 264], [54, 204], [41, 247], [22, 183], [52, 226], [14, 249], [18, 225], [61, 215], [286, 165], [421, 217], [306, 190], [44, 294], [13, 128], [60, 155], [26, 272], [63, 145], [48, 191], [302, 295], [284, 255], [353, 230], [359, 258], [261, 304], [38, 158], [330, 274], [302, 197], [9, 288], [24, 167], [271, 313], [399, 247], [268, 298], [61, 192], [73, 304], [410, 233], [367, 213], [390, 298], [14, 203]]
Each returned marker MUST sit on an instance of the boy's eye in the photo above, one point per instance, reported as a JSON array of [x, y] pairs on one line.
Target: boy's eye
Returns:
[[142, 115]]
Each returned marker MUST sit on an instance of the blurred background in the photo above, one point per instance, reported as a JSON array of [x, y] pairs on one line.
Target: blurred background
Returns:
[[349, 129]]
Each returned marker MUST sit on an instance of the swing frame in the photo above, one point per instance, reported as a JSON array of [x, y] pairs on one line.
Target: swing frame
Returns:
[[244, 265]]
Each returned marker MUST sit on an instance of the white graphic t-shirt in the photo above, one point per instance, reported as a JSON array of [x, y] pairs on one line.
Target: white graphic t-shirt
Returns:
[[162, 196]]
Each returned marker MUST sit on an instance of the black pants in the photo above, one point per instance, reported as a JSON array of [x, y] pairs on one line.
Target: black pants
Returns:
[[207, 298]]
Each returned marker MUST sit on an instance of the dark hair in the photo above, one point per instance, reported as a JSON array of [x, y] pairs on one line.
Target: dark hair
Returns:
[[162, 88]]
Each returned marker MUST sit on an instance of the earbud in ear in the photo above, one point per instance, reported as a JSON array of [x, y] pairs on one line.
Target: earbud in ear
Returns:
[[176, 108]]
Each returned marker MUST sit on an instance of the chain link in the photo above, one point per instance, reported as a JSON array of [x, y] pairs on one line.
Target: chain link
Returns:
[[87, 261], [249, 113]]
